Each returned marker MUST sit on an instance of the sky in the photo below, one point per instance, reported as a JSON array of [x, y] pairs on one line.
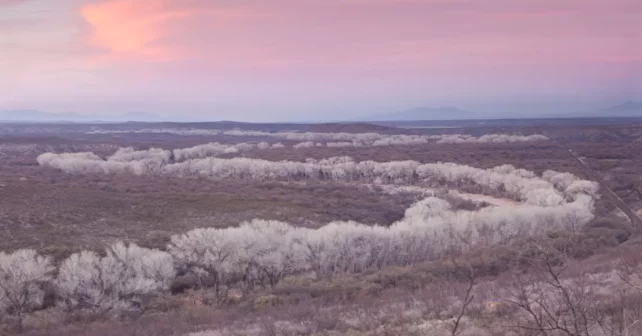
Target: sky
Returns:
[[260, 60]]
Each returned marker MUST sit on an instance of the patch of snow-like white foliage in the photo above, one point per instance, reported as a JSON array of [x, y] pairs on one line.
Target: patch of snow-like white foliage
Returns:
[[262, 252], [490, 138], [116, 280], [429, 229], [549, 190], [129, 154], [266, 250], [21, 275], [342, 139]]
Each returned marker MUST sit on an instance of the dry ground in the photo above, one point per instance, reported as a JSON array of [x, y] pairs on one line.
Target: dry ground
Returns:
[[58, 213], [48, 209]]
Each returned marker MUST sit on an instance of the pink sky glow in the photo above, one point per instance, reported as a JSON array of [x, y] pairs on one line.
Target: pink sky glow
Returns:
[[260, 59]]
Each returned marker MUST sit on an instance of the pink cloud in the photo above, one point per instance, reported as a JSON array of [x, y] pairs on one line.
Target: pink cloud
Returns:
[[359, 33], [126, 26], [148, 30]]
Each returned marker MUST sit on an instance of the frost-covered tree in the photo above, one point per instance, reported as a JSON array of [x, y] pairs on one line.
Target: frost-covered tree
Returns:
[[489, 138], [209, 253], [22, 274], [117, 281], [263, 145], [549, 190], [306, 144], [347, 247], [129, 154], [350, 139], [202, 151], [274, 250], [256, 252]]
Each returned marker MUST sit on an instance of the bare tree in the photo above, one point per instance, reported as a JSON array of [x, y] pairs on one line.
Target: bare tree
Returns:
[[551, 301], [116, 281], [467, 300]]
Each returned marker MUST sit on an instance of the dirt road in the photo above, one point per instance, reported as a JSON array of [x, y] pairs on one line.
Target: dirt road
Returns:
[[636, 222]]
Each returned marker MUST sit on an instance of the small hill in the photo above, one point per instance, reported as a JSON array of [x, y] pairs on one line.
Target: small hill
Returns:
[[627, 109], [427, 113]]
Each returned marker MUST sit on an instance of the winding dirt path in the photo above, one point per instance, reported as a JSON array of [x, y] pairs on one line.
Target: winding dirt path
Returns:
[[636, 222]]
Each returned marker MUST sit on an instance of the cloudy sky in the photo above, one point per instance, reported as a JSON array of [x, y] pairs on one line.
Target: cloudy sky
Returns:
[[316, 59]]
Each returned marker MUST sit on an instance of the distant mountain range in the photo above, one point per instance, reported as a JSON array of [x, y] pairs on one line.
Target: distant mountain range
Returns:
[[627, 109]]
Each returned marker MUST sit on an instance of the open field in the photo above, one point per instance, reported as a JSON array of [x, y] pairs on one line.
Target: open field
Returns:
[[495, 228]]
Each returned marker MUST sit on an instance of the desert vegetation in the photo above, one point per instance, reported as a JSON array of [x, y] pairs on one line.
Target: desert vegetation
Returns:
[[231, 233], [312, 139]]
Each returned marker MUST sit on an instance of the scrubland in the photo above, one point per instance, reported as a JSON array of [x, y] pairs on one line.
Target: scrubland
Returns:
[[320, 230]]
